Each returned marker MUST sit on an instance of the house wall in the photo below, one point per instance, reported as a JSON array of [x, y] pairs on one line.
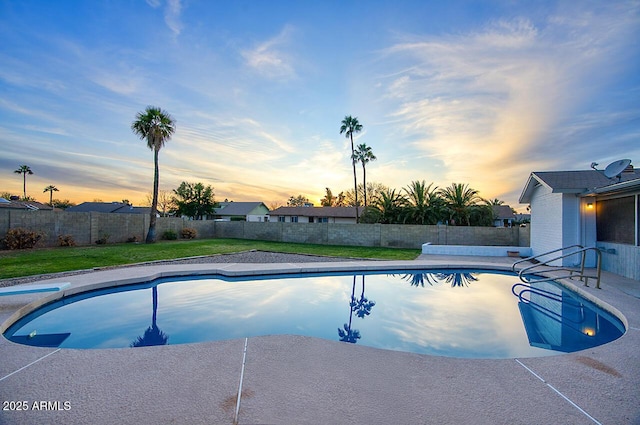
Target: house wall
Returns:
[[620, 259], [555, 223], [86, 228], [546, 221]]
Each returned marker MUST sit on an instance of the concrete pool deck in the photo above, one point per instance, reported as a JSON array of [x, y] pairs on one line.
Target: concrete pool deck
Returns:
[[303, 380]]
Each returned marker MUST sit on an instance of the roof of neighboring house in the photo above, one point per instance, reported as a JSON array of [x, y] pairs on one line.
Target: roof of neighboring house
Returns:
[[337, 212], [501, 212], [23, 205], [581, 181], [237, 208], [108, 207]]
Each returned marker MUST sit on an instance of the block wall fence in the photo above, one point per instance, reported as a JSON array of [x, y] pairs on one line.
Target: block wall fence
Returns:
[[86, 228]]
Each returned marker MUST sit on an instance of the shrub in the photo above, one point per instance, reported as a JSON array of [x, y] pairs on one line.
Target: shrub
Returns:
[[66, 240], [188, 233], [133, 239], [169, 235], [20, 238], [103, 239]]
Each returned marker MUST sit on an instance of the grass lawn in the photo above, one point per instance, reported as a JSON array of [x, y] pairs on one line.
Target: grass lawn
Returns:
[[52, 260]]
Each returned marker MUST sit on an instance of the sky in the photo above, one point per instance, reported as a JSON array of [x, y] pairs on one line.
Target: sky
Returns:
[[474, 92]]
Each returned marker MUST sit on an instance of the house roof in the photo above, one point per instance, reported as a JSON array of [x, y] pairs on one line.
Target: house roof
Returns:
[[501, 212], [108, 207], [23, 205], [579, 182], [237, 208], [337, 212]]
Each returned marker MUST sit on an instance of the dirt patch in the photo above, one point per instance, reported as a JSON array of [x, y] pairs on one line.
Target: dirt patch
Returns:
[[229, 403], [598, 365]]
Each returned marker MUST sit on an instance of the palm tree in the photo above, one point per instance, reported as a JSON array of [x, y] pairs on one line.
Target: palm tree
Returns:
[[24, 170], [459, 199], [424, 204], [363, 154], [390, 205], [157, 127], [50, 189], [349, 126], [330, 200], [494, 202]]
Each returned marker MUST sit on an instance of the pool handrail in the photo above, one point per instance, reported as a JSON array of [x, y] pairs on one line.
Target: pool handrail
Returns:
[[572, 272]]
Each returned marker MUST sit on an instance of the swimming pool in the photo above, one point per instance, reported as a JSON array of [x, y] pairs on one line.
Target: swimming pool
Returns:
[[473, 314]]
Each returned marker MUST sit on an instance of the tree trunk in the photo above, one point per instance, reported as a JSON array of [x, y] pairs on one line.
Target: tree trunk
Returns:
[[364, 183], [151, 235], [355, 181]]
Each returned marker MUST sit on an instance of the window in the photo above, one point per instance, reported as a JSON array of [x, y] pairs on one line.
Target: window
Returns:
[[615, 220], [310, 219], [294, 218], [281, 219], [323, 220]]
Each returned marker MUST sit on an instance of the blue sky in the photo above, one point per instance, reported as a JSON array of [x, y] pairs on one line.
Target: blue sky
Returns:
[[477, 92]]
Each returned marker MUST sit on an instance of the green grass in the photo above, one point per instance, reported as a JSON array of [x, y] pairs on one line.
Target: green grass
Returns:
[[53, 260]]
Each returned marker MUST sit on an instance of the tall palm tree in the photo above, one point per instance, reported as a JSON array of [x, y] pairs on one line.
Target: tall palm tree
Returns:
[[459, 199], [157, 127], [364, 155], [50, 189], [349, 126], [24, 170]]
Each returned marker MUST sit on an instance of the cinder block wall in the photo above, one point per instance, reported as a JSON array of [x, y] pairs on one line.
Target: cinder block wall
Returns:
[[86, 228]]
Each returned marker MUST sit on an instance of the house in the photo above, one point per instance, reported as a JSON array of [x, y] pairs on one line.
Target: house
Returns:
[[109, 207], [242, 211], [314, 215], [15, 204], [587, 208], [503, 216]]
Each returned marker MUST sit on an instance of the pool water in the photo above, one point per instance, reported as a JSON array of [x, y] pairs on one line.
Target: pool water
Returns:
[[472, 314]]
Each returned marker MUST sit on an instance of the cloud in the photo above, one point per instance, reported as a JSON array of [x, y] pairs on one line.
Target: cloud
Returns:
[[485, 103], [172, 16], [268, 57], [172, 12]]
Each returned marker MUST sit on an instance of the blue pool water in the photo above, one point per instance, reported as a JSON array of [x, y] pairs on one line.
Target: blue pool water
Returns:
[[473, 314]]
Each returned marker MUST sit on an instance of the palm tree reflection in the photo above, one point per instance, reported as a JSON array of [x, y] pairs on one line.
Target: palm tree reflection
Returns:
[[153, 335], [419, 279], [456, 279], [362, 307]]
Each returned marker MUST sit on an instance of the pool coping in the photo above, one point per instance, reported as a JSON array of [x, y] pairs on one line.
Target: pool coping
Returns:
[[586, 386]]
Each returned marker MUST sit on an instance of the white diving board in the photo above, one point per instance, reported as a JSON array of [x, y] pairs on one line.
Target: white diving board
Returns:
[[33, 288]]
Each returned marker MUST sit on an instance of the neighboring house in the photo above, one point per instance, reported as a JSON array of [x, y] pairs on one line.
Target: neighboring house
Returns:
[[503, 216], [109, 207], [314, 215], [23, 205], [242, 211], [589, 209]]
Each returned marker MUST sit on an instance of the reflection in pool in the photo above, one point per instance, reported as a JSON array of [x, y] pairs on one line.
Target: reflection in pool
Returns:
[[459, 314]]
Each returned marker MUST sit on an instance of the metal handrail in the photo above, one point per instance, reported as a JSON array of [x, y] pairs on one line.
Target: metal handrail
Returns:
[[535, 257], [572, 273]]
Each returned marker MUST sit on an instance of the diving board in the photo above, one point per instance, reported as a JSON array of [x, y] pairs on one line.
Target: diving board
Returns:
[[33, 288]]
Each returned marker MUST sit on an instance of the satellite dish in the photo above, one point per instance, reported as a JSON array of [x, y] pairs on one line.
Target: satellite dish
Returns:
[[615, 168]]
